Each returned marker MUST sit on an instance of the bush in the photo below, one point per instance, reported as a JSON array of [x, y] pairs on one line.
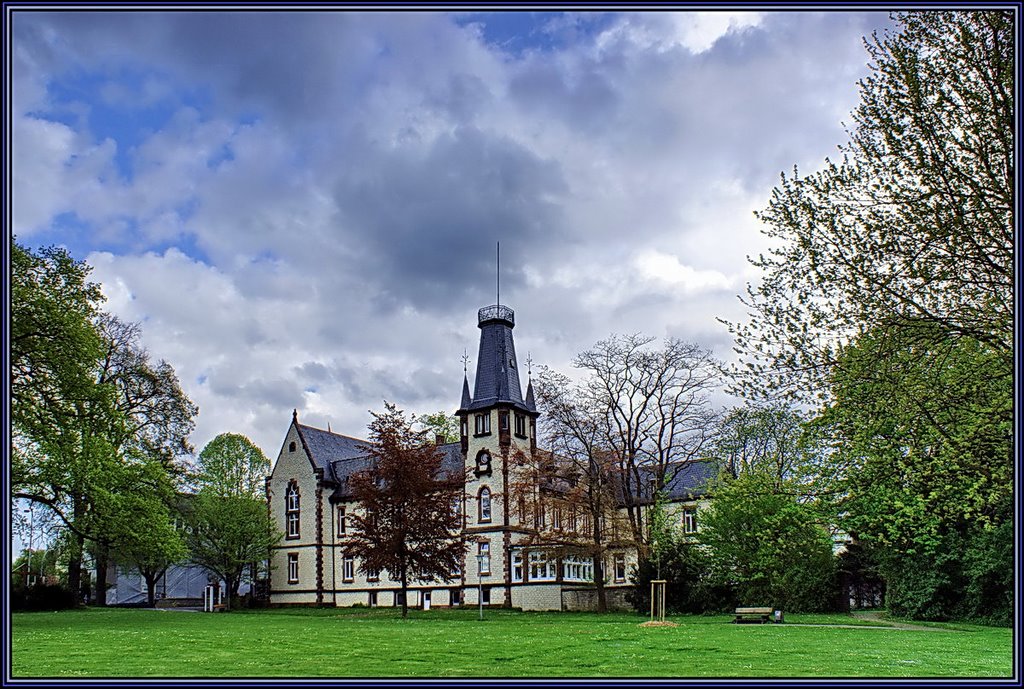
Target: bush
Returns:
[[770, 546], [967, 575], [41, 597], [689, 589]]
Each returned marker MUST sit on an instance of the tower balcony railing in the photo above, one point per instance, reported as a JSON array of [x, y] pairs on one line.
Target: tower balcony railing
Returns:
[[496, 312]]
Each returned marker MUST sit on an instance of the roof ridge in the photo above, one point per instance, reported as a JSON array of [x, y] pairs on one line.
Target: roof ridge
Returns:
[[338, 435]]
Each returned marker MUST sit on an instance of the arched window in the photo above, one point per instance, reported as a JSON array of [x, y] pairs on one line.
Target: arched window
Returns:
[[291, 446], [484, 505], [291, 510]]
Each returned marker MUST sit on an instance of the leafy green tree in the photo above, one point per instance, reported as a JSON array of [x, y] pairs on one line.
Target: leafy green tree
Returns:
[[54, 343], [87, 405], [768, 545], [231, 529], [888, 299], [914, 224], [682, 562], [440, 425], [406, 524], [928, 496], [140, 531]]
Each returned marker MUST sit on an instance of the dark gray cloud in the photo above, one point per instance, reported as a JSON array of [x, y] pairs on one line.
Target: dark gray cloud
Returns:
[[337, 181], [425, 221]]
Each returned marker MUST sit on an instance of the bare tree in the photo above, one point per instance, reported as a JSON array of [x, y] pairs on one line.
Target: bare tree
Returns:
[[652, 410]]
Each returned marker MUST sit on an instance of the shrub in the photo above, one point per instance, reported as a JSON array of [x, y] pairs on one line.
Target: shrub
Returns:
[[41, 597]]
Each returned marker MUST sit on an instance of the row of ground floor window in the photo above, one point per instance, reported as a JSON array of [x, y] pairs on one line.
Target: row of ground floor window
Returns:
[[537, 567], [535, 596]]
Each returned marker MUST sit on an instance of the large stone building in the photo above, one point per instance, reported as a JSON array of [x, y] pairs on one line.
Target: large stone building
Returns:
[[310, 503]]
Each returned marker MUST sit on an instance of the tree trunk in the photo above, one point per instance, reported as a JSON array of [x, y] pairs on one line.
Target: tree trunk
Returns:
[[405, 593], [231, 589], [102, 561], [602, 596], [151, 588], [75, 568]]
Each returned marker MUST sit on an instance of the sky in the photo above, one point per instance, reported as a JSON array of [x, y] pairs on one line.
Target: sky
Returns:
[[302, 208]]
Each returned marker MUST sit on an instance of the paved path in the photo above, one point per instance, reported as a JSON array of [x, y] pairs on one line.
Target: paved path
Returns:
[[877, 617]]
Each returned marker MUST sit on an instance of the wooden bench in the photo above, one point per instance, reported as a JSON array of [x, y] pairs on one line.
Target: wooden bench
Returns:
[[753, 615]]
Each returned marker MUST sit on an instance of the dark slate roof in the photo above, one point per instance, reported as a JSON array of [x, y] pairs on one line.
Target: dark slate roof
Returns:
[[687, 480], [467, 400], [497, 369], [452, 464], [326, 447], [530, 403]]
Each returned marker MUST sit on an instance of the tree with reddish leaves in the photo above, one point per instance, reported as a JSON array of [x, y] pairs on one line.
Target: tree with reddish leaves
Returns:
[[406, 523]]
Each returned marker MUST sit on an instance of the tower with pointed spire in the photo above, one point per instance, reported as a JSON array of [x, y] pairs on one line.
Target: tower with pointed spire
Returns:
[[498, 431]]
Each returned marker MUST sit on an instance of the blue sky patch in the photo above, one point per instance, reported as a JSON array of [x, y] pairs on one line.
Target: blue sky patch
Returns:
[[519, 32]]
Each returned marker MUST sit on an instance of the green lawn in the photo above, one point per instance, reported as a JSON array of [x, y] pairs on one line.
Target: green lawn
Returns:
[[454, 643]]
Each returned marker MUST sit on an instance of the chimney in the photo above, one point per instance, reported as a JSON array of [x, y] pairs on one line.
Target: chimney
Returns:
[[438, 439]]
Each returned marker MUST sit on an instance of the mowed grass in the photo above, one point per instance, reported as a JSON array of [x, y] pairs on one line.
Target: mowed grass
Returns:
[[454, 643]]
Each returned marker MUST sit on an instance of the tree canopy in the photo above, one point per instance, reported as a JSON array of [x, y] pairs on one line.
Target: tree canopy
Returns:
[[886, 303], [231, 530], [406, 524], [93, 419]]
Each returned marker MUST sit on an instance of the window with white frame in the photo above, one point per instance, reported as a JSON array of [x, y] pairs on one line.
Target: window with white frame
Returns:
[[373, 575], [483, 424], [293, 568], [576, 568], [517, 565], [556, 518], [457, 506], [690, 520], [342, 521], [348, 568], [484, 549], [484, 514], [372, 599], [542, 568], [291, 510], [619, 568]]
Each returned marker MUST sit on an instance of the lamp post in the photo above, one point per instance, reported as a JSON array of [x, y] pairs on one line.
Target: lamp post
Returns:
[[28, 556], [480, 583]]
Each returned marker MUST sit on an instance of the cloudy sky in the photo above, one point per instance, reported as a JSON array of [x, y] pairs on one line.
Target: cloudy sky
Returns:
[[302, 207]]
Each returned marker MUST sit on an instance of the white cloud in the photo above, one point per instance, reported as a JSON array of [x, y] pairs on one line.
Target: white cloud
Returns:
[[697, 32], [337, 204], [666, 268]]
